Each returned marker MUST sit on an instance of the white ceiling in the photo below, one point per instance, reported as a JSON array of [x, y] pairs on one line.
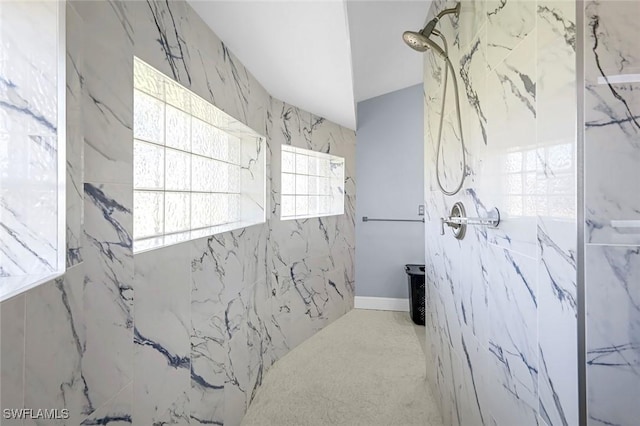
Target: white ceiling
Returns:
[[323, 56], [382, 63]]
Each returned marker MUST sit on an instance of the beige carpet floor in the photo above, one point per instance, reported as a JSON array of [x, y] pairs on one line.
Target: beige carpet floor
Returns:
[[367, 368]]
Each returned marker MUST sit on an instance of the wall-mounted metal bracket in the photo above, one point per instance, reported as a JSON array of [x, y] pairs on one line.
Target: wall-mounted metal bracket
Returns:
[[368, 219], [458, 221]]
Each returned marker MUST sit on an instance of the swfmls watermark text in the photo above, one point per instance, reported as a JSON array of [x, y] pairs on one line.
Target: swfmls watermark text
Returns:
[[35, 414]]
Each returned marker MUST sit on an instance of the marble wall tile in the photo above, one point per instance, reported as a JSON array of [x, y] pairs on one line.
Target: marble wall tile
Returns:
[[108, 290], [291, 125], [324, 239], [208, 370], [278, 285], [223, 265], [290, 310], [244, 367], [508, 24], [209, 318], [513, 342], [29, 141], [471, 21], [75, 136], [54, 345], [215, 271], [556, 206], [472, 75], [107, 95], [222, 336], [501, 327], [557, 299], [162, 38], [26, 250], [448, 366], [612, 156], [29, 108], [613, 334], [260, 346], [507, 177], [273, 340], [612, 110], [162, 335], [116, 412], [339, 294], [12, 327], [472, 396]]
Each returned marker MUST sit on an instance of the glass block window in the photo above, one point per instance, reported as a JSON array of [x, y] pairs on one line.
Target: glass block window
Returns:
[[187, 166], [312, 184]]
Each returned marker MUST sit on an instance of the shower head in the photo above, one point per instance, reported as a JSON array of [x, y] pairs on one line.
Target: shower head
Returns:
[[420, 42]]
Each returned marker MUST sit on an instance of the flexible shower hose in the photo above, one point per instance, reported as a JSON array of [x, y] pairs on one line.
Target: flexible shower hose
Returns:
[[457, 100]]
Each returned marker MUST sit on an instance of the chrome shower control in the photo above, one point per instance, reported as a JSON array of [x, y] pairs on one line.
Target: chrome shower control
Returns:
[[458, 221], [459, 229]]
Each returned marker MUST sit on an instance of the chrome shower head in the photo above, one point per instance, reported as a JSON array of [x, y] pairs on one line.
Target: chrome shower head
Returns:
[[415, 40], [420, 42]]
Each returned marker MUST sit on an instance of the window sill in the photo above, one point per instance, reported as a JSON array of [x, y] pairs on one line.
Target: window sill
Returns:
[[309, 216], [154, 243], [13, 286]]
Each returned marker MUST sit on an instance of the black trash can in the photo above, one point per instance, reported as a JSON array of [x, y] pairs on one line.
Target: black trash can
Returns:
[[415, 274]]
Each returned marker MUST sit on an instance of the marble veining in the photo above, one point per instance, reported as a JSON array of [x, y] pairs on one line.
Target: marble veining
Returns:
[[613, 335], [183, 334], [612, 155], [29, 121], [108, 290], [107, 107], [612, 111], [492, 357], [75, 135], [116, 412]]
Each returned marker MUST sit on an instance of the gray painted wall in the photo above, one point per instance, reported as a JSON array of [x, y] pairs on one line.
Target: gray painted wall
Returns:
[[389, 160]]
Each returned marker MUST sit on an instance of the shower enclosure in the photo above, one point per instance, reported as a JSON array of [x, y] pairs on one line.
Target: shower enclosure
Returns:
[[536, 321]]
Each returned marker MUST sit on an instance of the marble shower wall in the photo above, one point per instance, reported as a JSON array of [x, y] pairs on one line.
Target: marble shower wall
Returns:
[[310, 262], [185, 333], [30, 244], [501, 304], [612, 161]]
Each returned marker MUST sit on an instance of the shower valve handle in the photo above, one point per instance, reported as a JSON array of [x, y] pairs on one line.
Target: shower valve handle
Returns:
[[458, 221]]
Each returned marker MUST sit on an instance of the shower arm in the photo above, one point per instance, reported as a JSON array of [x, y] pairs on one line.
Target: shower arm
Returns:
[[454, 10], [434, 31]]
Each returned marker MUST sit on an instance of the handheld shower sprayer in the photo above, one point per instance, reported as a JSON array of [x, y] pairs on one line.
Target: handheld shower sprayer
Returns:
[[421, 42]]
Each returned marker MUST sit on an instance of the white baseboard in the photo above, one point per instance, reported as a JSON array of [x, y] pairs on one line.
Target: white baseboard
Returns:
[[381, 304]]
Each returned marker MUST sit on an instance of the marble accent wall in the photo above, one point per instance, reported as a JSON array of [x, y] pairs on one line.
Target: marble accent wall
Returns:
[[31, 247], [310, 262], [185, 333], [501, 304], [612, 164]]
